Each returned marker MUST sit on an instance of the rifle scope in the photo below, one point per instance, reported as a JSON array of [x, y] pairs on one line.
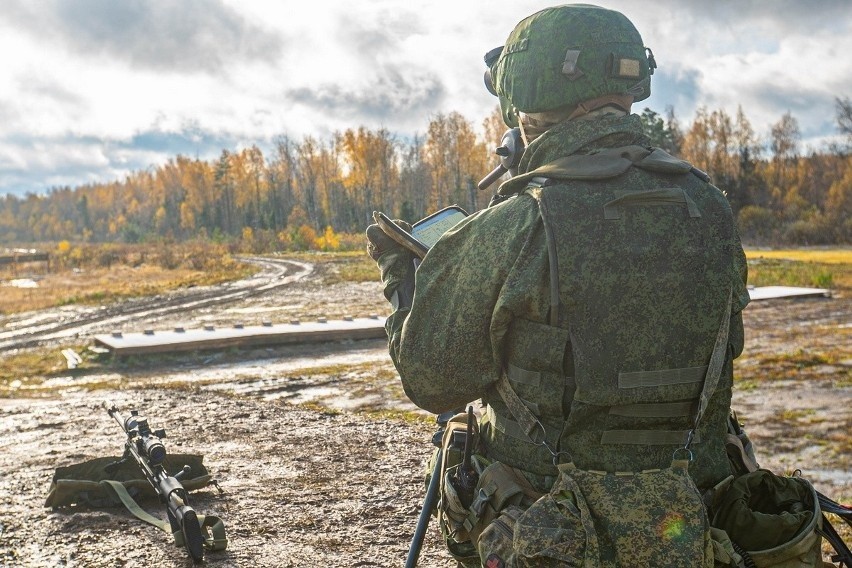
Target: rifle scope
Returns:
[[147, 442]]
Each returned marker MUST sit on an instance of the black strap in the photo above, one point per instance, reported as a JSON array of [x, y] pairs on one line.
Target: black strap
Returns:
[[844, 555]]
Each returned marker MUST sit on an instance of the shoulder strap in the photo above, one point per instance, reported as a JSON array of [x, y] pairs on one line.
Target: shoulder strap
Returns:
[[714, 368], [212, 527]]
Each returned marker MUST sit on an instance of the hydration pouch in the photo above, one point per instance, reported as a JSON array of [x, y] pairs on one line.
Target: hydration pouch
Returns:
[[652, 518], [81, 484]]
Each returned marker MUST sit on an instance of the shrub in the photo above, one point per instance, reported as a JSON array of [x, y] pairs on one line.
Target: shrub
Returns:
[[756, 223], [329, 241], [815, 231]]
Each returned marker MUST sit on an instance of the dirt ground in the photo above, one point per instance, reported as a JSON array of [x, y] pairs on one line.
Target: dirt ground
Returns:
[[319, 454]]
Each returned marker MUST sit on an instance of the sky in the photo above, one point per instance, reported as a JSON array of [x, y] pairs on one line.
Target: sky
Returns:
[[91, 90]]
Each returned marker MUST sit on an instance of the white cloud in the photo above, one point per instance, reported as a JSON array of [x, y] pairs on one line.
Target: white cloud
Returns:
[[106, 86]]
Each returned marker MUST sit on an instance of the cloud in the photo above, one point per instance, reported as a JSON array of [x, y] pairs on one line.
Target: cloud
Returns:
[[183, 36], [780, 17], [392, 95], [678, 88], [96, 88], [36, 165]]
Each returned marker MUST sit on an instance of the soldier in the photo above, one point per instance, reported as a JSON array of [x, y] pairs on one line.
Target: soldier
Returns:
[[594, 308]]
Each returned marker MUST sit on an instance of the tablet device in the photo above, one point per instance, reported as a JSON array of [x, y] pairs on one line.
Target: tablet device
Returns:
[[424, 233]]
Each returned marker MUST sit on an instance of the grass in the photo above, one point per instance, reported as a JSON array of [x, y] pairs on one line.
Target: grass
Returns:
[[799, 365], [101, 274], [821, 268], [349, 266]]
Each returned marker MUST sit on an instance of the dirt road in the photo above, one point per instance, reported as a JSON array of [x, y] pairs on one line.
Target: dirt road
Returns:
[[319, 453]]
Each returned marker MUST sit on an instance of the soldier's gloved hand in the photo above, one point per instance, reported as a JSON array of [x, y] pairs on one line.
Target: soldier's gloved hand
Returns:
[[396, 264]]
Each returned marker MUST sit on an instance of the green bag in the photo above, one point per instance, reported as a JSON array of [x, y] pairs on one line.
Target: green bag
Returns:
[[650, 518], [775, 519], [80, 484], [94, 484]]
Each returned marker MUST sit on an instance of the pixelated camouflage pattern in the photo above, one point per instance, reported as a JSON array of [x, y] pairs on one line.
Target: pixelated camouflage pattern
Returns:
[[491, 271], [395, 267], [648, 519], [529, 73]]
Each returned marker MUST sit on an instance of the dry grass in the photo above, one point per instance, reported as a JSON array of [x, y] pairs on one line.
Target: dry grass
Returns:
[[100, 274], [103, 285], [822, 268], [827, 256], [351, 266]]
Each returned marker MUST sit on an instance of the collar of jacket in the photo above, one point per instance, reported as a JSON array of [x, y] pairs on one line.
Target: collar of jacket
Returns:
[[576, 137]]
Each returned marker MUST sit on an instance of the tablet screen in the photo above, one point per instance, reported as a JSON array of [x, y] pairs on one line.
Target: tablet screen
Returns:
[[430, 229]]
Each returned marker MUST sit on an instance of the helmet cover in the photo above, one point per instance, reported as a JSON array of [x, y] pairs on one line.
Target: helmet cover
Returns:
[[564, 55]]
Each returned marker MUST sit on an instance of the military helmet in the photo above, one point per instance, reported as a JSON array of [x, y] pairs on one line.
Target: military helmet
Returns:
[[564, 55]]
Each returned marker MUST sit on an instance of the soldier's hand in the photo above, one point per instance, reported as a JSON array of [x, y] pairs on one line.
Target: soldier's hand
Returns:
[[395, 262], [378, 242]]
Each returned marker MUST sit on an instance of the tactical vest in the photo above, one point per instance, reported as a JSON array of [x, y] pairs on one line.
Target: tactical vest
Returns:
[[640, 280]]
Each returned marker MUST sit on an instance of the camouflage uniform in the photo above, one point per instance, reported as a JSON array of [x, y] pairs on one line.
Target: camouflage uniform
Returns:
[[482, 303], [591, 297]]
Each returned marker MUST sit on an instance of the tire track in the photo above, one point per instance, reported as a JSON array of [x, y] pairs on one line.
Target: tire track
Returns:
[[276, 273]]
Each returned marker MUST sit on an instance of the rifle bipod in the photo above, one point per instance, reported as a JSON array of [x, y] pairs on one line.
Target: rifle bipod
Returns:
[[431, 498]]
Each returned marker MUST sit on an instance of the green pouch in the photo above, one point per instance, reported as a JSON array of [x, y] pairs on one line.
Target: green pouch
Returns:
[[451, 512], [775, 519], [80, 484], [652, 519], [495, 543]]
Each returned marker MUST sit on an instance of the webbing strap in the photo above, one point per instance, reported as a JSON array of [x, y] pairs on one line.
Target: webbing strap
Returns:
[[646, 437], [523, 376], [120, 491], [654, 409], [714, 368], [506, 426], [212, 527], [526, 419], [552, 256], [662, 377]]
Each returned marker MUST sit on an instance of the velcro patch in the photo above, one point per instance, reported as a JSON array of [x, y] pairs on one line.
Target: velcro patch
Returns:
[[628, 68], [494, 561], [569, 66]]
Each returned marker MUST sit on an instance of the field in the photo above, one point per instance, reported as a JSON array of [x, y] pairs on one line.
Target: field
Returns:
[[319, 452], [820, 268], [102, 274]]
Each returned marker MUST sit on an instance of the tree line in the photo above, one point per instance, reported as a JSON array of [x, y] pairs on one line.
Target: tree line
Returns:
[[304, 194]]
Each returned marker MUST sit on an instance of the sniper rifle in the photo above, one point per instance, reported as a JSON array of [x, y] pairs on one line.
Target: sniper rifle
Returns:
[[147, 450]]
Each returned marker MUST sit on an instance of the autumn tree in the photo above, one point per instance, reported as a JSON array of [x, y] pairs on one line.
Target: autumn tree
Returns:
[[372, 172], [281, 180], [456, 159], [843, 110]]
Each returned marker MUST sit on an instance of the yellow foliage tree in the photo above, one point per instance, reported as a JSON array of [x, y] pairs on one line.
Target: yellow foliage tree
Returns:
[[329, 241]]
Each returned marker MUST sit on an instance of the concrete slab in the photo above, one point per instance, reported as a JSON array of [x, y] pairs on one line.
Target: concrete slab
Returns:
[[179, 339], [773, 292]]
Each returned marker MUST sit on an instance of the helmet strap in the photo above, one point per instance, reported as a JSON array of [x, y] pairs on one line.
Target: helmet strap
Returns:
[[522, 118]]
